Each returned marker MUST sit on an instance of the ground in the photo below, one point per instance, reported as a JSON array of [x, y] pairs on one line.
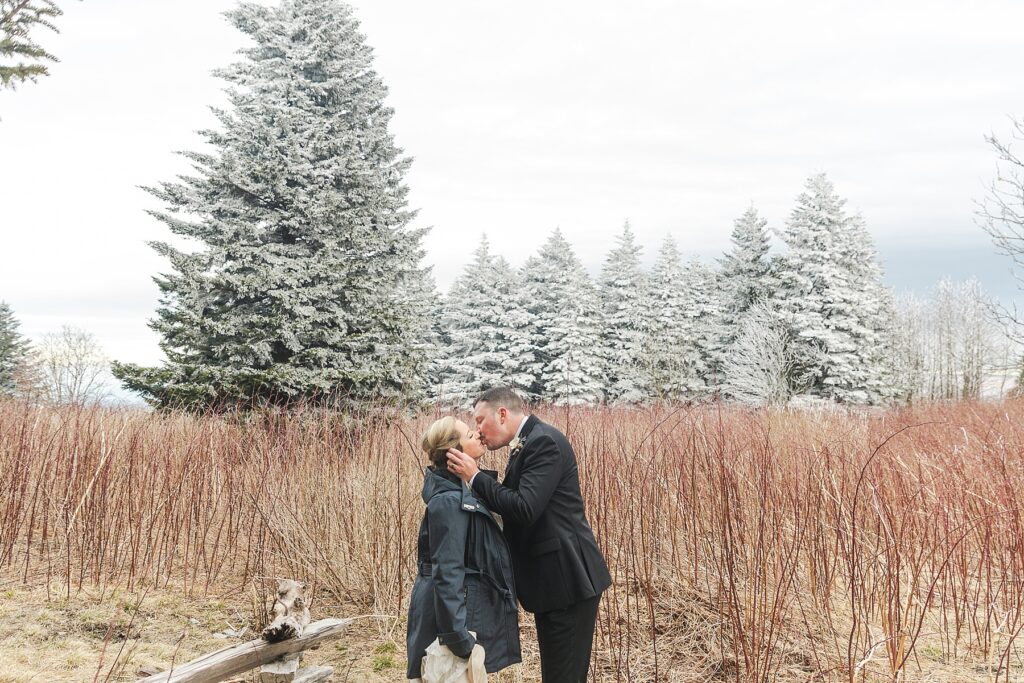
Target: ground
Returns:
[[51, 637]]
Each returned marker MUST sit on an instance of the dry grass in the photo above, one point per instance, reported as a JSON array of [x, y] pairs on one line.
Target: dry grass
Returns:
[[745, 546], [58, 639]]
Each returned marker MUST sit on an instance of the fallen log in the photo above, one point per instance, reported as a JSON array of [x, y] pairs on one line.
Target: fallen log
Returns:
[[216, 666]]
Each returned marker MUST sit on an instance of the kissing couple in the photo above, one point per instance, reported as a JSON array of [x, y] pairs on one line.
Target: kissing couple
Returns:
[[482, 545]]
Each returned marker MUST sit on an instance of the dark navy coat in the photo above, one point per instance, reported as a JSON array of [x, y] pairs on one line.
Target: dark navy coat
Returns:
[[465, 581]]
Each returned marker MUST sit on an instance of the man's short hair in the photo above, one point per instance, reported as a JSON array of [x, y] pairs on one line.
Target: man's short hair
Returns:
[[499, 397]]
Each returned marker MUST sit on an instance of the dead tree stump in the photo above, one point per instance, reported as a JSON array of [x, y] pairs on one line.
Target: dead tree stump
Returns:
[[291, 616]]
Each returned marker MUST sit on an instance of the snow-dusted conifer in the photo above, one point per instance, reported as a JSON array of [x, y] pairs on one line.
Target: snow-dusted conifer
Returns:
[[565, 309], [671, 355], [15, 351], [701, 324], [306, 282], [833, 298], [481, 333], [744, 273], [462, 359], [623, 294], [515, 336]]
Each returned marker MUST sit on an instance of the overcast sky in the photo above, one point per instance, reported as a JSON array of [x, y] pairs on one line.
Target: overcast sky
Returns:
[[530, 115]]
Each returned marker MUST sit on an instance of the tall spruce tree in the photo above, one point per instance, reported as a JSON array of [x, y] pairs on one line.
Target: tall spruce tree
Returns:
[[15, 351], [671, 354], [623, 292], [701, 323], [515, 336], [833, 299], [481, 333], [307, 282], [565, 322], [744, 279], [745, 272]]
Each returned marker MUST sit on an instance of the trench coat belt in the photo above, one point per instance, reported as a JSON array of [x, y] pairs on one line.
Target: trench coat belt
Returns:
[[502, 591], [426, 569]]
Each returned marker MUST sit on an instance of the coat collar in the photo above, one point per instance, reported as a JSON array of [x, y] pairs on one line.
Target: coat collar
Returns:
[[437, 481]]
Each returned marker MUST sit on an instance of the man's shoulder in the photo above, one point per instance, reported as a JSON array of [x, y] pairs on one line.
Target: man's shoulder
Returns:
[[547, 427], [544, 433]]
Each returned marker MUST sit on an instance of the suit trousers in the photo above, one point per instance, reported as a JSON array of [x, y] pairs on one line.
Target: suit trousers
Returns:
[[566, 637]]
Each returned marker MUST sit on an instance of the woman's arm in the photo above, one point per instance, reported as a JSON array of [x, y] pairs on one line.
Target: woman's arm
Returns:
[[448, 527]]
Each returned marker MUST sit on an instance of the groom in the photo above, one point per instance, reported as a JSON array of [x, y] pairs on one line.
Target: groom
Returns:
[[559, 570]]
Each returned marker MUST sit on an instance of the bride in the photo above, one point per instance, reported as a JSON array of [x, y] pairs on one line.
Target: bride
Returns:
[[464, 582]]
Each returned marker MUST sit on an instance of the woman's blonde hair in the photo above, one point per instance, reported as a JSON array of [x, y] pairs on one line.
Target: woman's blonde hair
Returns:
[[438, 438]]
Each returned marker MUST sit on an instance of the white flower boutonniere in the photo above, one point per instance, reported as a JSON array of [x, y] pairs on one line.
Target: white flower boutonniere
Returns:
[[514, 446]]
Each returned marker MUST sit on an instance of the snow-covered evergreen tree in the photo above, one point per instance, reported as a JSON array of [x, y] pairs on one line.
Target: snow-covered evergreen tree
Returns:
[[623, 292], [833, 299], [15, 351], [566, 324], [744, 274], [306, 282], [458, 333], [515, 336], [671, 353], [701, 322], [481, 333]]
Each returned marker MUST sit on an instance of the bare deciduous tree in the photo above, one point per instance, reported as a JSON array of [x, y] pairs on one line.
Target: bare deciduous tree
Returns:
[[72, 367], [761, 360], [951, 345], [1001, 212]]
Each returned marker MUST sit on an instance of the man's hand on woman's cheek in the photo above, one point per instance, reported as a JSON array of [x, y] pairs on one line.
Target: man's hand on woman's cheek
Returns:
[[461, 465]]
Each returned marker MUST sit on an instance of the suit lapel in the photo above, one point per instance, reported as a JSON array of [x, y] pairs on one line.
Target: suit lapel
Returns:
[[515, 463]]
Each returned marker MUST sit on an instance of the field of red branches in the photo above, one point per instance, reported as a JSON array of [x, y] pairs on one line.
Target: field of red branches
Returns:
[[744, 545]]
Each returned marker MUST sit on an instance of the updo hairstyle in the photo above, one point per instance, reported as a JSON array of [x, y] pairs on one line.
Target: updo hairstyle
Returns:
[[438, 438]]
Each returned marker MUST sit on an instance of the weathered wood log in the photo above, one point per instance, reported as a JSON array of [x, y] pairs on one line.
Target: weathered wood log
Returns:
[[216, 666]]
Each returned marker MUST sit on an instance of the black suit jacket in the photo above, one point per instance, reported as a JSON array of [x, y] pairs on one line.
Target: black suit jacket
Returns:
[[555, 557]]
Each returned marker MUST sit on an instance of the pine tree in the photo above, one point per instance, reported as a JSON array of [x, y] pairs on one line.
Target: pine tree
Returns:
[[745, 274], [671, 353], [515, 336], [18, 20], [833, 298], [15, 351], [307, 283], [623, 295], [567, 336], [744, 280], [478, 331], [702, 317]]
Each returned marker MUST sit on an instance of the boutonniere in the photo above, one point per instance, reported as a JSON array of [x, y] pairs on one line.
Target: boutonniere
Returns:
[[515, 445]]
